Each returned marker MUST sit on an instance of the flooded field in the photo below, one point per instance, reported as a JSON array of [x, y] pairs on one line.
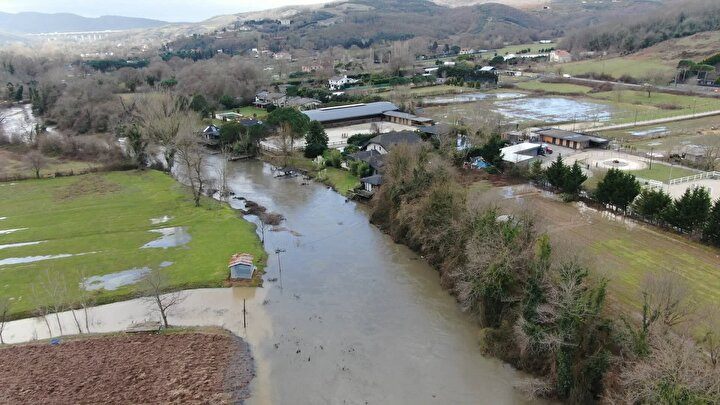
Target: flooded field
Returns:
[[552, 110], [346, 315], [113, 281], [469, 98], [171, 237], [20, 123], [478, 109]]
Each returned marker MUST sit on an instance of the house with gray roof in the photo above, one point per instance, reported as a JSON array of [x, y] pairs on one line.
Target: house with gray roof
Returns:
[[353, 114], [384, 143], [569, 139]]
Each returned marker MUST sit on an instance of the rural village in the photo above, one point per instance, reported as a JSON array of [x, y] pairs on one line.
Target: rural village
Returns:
[[363, 201]]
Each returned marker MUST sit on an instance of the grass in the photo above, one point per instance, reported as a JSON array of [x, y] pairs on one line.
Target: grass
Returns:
[[341, 180], [562, 88], [108, 217], [534, 48], [617, 67], [631, 105], [627, 253], [249, 111], [663, 172], [11, 165]]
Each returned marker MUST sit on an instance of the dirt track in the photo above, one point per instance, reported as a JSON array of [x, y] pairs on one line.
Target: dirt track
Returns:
[[188, 367]]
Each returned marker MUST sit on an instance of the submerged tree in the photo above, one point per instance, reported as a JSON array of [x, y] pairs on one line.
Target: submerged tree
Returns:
[[192, 159], [153, 287]]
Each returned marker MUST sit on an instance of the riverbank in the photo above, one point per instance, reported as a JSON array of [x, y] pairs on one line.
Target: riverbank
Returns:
[[176, 366], [339, 180], [95, 236]]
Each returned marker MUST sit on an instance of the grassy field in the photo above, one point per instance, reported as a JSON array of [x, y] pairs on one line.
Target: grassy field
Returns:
[[663, 173], [626, 253], [11, 165], [631, 105], [341, 180], [674, 135], [250, 111], [534, 48], [562, 88], [104, 220]]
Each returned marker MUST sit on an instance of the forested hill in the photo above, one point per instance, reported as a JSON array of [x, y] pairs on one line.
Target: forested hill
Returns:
[[364, 23], [38, 23], [630, 34]]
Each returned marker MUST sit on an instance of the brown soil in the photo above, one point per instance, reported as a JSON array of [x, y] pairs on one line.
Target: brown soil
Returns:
[[185, 367]]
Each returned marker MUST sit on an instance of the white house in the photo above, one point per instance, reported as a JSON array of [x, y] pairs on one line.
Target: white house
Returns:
[[339, 82], [560, 56]]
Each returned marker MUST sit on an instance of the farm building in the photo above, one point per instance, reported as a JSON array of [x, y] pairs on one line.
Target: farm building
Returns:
[[569, 139], [241, 267], [354, 114], [521, 153]]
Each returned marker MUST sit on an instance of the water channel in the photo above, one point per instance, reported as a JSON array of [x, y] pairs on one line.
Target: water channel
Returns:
[[345, 314]]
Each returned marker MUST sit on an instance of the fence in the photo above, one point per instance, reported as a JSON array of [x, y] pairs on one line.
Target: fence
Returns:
[[701, 176]]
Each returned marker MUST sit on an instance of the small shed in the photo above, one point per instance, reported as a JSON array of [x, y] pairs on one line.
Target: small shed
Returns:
[[241, 266]]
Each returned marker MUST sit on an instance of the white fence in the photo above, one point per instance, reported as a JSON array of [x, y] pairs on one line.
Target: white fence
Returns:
[[699, 176], [650, 183]]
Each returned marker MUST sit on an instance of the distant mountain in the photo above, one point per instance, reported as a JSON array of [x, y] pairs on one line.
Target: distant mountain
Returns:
[[39, 23]]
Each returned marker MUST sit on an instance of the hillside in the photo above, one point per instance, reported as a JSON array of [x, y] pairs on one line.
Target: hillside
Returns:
[[38, 23]]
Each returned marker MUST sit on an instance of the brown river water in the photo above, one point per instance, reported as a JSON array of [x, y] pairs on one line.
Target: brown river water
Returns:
[[352, 318]]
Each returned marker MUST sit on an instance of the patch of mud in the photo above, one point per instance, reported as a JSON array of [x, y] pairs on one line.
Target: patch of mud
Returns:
[[553, 109], [87, 185], [587, 211], [160, 220], [113, 281], [9, 231], [171, 237], [21, 244], [32, 259]]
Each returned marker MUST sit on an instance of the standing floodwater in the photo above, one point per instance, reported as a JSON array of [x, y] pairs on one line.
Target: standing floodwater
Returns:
[[353, 317]]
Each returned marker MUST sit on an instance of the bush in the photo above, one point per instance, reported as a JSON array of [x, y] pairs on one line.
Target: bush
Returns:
[[314, 150]]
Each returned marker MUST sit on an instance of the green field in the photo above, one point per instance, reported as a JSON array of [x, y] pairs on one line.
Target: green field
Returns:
[[534, 48], [663, 172], [626, 253], [341, 180], [250, 111], [638, 68], [105, 220], [632, 106]]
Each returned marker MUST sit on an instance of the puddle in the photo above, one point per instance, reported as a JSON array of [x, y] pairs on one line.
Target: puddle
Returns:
[[161, 220], [171, 237], [553, 109], [113, 281], [166, 264], [608, 215], [3, 218], [32, 259], [13, 245], [7, 231], [648, 132], [472, 97]]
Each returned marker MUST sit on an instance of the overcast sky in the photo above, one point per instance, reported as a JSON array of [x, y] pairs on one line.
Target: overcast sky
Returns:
[[177, 10]]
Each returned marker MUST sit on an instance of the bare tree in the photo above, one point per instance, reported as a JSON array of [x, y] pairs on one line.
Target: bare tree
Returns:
[[35, 161], [268, 219], [152, 288], [163, 118], [192, 159], [4, 310], [53, 286], [85, 299], [668, 299]]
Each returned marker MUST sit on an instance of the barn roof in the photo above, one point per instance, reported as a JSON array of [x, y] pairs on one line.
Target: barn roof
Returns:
[[349, 112]]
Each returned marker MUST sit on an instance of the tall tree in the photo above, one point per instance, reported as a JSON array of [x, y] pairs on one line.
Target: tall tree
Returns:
[[617, 189], [652, 204], [574, 178], [690, 212], [711, 233], [556, 173], [316, 140], [291, 124]]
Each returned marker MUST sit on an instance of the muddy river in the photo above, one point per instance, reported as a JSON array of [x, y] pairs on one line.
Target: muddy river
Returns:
[[345, 315]]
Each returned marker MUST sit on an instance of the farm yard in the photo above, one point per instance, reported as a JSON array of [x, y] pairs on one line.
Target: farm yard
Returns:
[[102, 232]]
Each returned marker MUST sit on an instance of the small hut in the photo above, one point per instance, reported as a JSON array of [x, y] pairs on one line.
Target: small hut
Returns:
[[241, 266]]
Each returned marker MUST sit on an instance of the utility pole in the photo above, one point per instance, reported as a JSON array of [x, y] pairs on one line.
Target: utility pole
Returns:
[[277, 252]]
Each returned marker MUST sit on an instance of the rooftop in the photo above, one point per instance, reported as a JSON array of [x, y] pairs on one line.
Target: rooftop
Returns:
[[407, 116], [391, 139], [519, 153], [570, 136], [375, 180], [349, 112]]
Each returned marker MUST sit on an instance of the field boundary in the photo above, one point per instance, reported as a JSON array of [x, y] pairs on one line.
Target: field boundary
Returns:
[[702, 176]]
